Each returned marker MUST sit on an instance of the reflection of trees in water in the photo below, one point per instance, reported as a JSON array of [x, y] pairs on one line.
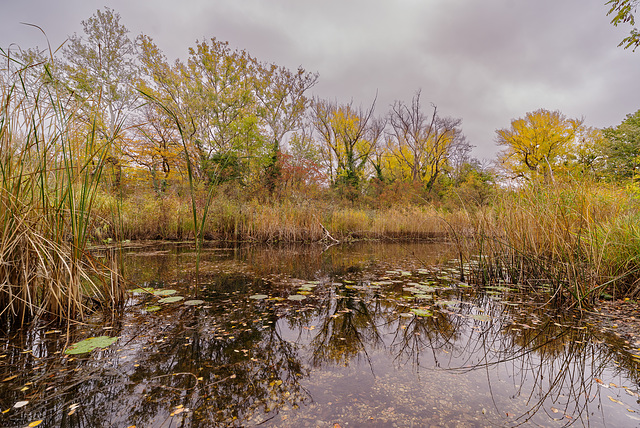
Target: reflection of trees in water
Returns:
[[347, 328], [233, 369], [238, 364], [549, 363]]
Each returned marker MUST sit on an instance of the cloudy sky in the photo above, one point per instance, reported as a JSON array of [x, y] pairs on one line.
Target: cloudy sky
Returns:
[[486, 62]]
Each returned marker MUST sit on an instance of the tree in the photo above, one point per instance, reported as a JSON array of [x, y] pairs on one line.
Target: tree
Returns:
[[623, 13], [538, 144], [343, 132], [622, 148], [422, 143], [100, 68], [281, 106]]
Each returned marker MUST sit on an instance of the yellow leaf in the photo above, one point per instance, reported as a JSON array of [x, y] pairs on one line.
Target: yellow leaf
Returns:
[[10, 377], [614, 400], [35, 423]]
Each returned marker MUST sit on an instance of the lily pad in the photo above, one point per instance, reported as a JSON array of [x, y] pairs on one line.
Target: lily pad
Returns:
[[164, 292], [422, 312], [90, 344], [297, 297], [142, 290], [194, 302], [152, 308], [171, 299], [258, 296], [481, 317]]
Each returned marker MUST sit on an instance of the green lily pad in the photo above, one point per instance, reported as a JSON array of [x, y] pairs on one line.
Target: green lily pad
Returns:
[[258, 296], [152, 308], [422, 312], [142, 290], [297, 297], [90, 344], [164, 292], [194, 302], [171, 299]]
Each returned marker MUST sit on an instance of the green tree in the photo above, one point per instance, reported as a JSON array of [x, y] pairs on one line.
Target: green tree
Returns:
[[622, 148], [623, 13]]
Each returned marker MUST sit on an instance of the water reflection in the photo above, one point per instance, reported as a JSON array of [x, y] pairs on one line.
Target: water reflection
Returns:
[[379, 335]]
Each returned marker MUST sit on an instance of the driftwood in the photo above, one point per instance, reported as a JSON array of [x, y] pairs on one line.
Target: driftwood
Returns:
[[327, 235]]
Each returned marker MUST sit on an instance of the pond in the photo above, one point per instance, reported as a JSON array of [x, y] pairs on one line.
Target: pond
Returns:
[[359, 335]]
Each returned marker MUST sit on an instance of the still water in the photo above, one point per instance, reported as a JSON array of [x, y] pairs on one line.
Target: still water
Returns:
[[363, 335]]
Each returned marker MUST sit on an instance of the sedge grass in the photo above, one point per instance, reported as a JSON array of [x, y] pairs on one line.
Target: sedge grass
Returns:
[[50, 167], [577, 239]]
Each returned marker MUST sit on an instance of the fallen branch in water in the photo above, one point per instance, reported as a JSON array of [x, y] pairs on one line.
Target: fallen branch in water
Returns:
[[327, 235]]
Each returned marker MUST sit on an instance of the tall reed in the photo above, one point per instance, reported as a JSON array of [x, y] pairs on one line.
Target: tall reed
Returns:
[[50, 167], [568, 237]]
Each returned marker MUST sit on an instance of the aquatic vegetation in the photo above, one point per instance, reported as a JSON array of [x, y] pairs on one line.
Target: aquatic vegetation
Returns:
[[51, 163], [349, 353]]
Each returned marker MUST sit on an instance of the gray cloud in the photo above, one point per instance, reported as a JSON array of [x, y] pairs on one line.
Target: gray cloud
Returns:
[[485, 62]]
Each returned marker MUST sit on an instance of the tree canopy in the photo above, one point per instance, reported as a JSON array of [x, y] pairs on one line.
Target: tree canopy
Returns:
[[623, 13]]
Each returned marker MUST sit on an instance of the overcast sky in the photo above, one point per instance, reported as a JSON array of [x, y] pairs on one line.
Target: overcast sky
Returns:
[[486, 62]]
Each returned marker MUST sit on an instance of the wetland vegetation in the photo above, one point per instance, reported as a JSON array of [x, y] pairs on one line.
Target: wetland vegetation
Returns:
[[329, 265]]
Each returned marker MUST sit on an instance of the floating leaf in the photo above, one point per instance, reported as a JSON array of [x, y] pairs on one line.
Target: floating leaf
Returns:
[[614, 400], [171, 299], [407, 315], [258, 296], [481, 317], [90, 344], [152, 308], [297, 297], [35, 423], [20, 404], [164, 292], [142, 290], [193, 302], [422, 312], [10, 378]]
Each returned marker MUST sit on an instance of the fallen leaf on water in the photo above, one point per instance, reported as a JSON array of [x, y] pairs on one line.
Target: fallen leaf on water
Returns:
[[614, 400], [554, 410], [10, 378], [35, 423], [20, 404]]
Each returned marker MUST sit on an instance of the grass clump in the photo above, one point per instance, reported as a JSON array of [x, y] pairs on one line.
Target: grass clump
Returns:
[[50, 167]]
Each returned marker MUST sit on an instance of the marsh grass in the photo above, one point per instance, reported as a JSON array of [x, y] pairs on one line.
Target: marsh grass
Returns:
[[50, 167], [579, 239]]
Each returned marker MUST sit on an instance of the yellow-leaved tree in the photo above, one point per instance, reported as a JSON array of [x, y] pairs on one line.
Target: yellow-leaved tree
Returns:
[[539, 145]]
